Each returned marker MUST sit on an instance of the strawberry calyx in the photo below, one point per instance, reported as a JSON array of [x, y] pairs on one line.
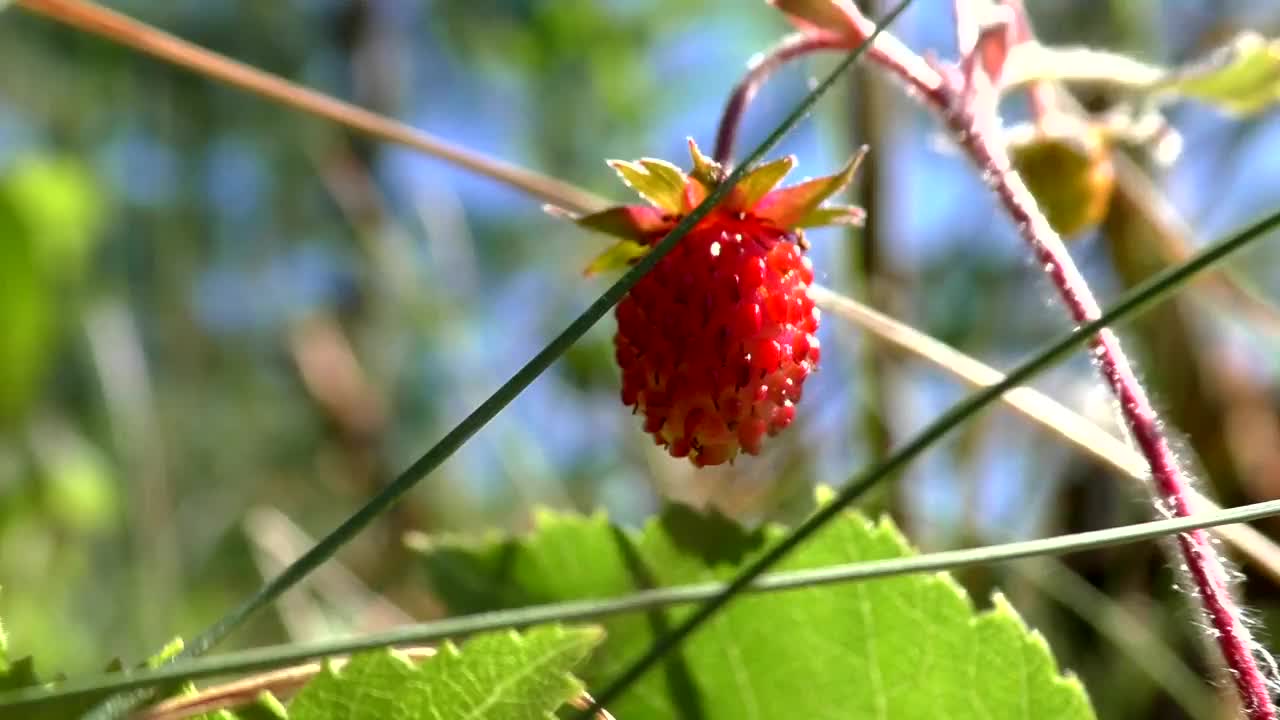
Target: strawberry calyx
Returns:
[[671, 194]]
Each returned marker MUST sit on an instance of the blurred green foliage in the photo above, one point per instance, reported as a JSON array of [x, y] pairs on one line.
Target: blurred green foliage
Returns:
[[50, 220], [61, 491]]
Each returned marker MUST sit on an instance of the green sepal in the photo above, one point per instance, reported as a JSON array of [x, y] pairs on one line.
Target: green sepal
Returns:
[[759, 183], [657, 181], [705, 170], [834, 215], [629, 222], [671, 176], [706, 175], [622, 254], [789, 206]]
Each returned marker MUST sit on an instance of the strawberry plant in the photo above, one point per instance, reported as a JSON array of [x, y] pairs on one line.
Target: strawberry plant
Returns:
[[754, 608]]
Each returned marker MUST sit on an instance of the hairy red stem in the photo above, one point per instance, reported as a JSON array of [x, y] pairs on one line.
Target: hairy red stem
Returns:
[[759, 70], [1207, 573], [969, 113]]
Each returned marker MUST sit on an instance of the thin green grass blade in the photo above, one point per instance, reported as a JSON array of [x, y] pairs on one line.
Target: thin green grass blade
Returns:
[[1133, 302], [268, 658], [115, 707]]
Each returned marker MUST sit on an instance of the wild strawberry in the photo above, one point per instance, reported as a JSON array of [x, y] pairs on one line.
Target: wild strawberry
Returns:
[[715, 342]]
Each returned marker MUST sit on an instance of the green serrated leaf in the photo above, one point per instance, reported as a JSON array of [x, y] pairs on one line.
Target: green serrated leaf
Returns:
[[759, 182], [1242, 77], [657, 181], [907, 647], [500, 676]]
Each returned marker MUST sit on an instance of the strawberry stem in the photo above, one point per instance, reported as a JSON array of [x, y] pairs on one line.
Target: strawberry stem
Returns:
[[967, 107], [758, 71]]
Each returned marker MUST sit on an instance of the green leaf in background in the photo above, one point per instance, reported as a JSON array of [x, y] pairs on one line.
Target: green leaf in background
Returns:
[[61, 208], [1242, 77], [907, 647], [49, 217], [80, 493], [26, 313], [500, 676]]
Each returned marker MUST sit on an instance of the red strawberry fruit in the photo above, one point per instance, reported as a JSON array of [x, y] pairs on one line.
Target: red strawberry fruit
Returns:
[[715, 342]]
